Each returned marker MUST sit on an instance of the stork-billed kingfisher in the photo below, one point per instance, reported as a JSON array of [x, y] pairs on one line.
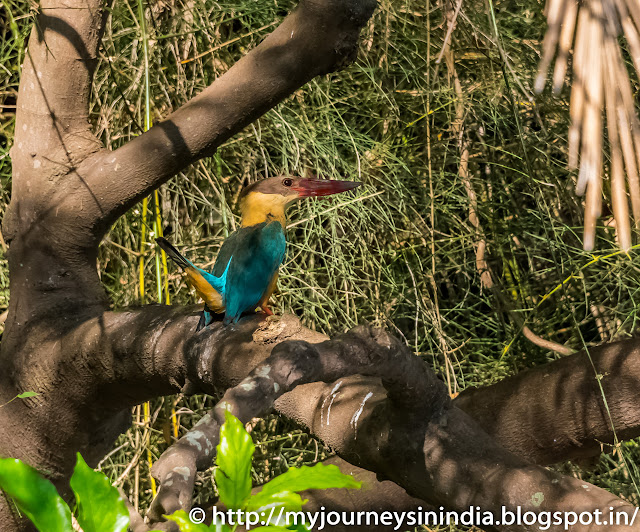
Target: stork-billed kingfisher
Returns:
[[246, 268]]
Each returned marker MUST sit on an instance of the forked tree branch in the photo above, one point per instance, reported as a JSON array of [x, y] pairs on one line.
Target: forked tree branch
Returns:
[[55, 147], [427, 446]]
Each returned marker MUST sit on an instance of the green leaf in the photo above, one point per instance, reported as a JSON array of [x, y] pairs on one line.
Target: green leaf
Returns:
[[100, 506], [233, 475], [186, 525], [35, 496], [319, 476], [24, 395], [262, 501]]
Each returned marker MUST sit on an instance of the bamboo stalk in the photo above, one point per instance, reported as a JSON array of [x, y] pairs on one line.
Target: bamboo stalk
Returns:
[[157, 229], [136, 470], [145, 204], [143, 243], [147, 418]]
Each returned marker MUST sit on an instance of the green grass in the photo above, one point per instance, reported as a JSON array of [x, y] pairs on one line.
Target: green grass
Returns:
[[400, 252]]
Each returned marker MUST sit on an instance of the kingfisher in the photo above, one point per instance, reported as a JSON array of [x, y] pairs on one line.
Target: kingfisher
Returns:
[[245, 272]]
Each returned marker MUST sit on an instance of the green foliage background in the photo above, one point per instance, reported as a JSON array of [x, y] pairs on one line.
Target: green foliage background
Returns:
[[401, 252]]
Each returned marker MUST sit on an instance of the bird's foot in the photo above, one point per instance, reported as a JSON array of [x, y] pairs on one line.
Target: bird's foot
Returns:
[[266, 310]]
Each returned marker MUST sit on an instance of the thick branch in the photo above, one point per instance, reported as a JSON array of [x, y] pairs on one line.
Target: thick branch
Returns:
[[52, 134], [568, 418], [52, 131], [452, 463], [152, 351], [408, 382], [441, 458], [319, 36]]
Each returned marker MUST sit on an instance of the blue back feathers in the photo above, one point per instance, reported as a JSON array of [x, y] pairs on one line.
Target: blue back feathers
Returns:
[[245, 266]]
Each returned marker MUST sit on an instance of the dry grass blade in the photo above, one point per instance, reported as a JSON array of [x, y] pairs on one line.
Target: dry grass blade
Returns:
[[631, 167], [590, 172], [619, 83], [564, 46], [555, 12], [631, 34], [600, 24], [577, 89], [618, 190], [587, 170], [634, 9], [628, 116]]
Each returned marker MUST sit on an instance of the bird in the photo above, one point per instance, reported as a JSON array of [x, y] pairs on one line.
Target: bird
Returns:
[[245, 272]]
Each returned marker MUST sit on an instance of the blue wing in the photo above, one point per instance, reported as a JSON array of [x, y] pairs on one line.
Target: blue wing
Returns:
[[249, 262]]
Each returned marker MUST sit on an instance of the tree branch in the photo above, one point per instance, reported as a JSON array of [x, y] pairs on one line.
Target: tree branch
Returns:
[[319, 36], [427, 446], [409, 386], [569, 418], [451, 462]]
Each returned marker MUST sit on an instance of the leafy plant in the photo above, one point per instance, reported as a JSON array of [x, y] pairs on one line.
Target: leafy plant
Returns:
[[281, 494], [100, 508]]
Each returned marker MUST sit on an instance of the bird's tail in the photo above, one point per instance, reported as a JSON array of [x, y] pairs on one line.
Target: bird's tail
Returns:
[[173, 253]]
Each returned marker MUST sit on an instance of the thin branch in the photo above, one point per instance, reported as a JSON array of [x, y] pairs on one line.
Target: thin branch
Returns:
[[459, 132]]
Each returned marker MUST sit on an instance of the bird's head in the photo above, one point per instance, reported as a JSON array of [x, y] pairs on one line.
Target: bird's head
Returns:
[[271, 196], [292, 188]]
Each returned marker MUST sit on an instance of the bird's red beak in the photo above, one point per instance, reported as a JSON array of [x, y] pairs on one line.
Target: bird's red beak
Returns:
[[311, 188]]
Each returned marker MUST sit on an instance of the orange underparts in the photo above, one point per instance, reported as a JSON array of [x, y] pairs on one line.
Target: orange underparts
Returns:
[[210, 295]]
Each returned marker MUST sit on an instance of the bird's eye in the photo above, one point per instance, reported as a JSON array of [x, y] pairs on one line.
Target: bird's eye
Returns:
[[287, 182]]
